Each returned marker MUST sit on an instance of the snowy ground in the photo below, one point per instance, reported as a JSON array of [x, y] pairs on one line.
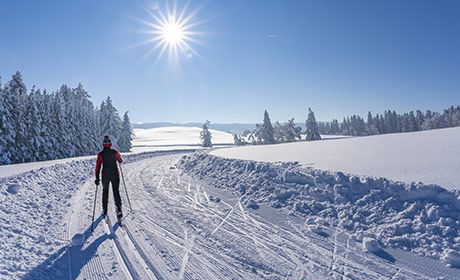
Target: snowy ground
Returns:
[[429, 156], [152, 138], [182, 227]]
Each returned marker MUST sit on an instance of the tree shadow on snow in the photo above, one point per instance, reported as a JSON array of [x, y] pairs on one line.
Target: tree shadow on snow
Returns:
[[57, 265], [384, 255]]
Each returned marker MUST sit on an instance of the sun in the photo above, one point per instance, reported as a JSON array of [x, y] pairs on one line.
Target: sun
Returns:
[[171, 33]]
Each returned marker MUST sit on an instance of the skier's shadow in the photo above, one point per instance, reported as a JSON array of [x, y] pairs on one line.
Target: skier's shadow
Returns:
[[57, 265]]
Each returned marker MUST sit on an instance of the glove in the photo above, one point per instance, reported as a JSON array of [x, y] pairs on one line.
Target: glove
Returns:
[[97, 181]]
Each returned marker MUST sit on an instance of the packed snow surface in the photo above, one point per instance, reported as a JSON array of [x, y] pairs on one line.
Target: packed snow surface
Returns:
[[169, 136], [431, 157]]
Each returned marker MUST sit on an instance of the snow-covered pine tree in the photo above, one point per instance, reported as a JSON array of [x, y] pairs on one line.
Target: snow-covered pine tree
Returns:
[[87, 125], [6, 137], [17, 94], [110, 122], [278, 133], [237, 140], [266, 130], [291, 131], [205, 135], [126, 135], [34, 122], [64, 116], [312, 127]]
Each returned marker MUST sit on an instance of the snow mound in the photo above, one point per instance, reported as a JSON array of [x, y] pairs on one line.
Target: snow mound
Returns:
[[452, 258], [424, 219], [371, 245]]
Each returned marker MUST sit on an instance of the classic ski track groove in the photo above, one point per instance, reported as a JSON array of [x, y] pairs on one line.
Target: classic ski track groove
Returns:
[[94, 268], [121, 255]]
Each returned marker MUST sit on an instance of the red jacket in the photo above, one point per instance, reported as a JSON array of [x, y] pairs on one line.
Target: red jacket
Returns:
[[108, 158]]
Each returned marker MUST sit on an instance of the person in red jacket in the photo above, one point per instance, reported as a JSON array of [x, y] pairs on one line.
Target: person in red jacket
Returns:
[[108, 158]]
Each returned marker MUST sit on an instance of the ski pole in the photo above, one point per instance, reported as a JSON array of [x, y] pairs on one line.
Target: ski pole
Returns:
[[126, 190], [94, 210]]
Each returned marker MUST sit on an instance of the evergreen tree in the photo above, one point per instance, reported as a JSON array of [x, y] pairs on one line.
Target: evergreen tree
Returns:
[[237, 140], [41, 126], [205, 135], [126, 135], [266, 131], [290, 131], [312, 127], [335, 128], [6, 129], [110, 122], [33, 126], [17, 94]]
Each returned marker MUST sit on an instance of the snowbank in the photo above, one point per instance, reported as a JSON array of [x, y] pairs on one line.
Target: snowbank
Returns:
[[33, 207], [421, 218], [432, 157]]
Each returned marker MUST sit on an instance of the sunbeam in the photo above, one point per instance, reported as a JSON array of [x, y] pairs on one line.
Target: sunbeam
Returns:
[[171, 33]]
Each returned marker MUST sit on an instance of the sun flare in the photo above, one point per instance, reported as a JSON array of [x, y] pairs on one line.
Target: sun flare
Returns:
[[172, 33]]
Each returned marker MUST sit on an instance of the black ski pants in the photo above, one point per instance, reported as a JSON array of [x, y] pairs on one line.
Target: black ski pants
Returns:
[[116, 193]]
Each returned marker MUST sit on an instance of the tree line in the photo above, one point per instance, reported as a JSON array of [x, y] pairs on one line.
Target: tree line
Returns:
[[391, 122], [38, 125], [267, 133]]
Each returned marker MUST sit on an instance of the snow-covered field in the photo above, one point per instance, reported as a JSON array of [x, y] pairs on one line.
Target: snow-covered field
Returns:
[[146, 139], [429, 156], [201, 216], [182, 227]]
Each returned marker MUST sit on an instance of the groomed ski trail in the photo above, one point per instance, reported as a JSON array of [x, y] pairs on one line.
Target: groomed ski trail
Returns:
[[178, 230]]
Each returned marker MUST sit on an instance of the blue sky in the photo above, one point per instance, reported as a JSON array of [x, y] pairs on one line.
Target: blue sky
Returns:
[[338, 57]]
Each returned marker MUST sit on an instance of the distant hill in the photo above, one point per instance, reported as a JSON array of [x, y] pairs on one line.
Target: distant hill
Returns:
[[227, 127]]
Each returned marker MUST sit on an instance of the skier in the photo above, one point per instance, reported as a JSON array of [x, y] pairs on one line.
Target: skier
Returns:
[[108, 158]]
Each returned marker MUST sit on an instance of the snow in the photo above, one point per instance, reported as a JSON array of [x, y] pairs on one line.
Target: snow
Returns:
[[432, 157], [371, 245], [424, 219], [176, 136], [14, 169], [33, 213], [452, 258], [211, 221]]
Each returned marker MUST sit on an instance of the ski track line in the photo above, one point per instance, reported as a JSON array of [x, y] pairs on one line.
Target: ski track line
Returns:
[[224, 219], [143, 256], [94, 267], [251, 236], [187, 252], [169, 239], [322, 251], [298, 263], [121, 255], [229, 273], [221, 218], [368, 258]]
